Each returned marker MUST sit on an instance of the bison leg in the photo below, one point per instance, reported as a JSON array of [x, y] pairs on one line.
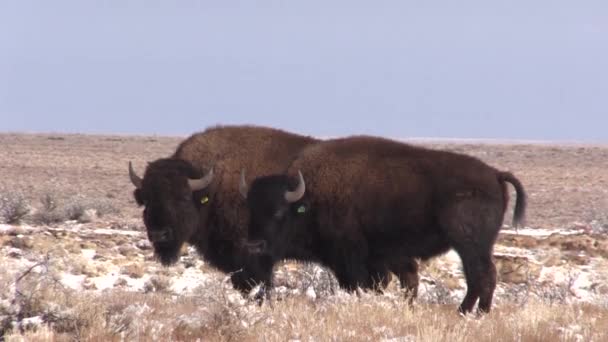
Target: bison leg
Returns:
[[472, 273], [488, 284], [256, 270], [406, 270], [351, 277], [348, 261], [480, 274], [471, 227], [380, 277]]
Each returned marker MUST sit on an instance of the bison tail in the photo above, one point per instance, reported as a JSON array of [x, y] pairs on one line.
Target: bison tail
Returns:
[[520, 204]]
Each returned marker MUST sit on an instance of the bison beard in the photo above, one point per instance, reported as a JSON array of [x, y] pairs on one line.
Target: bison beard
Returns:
[[166, 252], [373, 202]]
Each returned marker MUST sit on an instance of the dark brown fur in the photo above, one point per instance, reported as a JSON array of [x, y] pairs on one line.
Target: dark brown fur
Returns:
[[217, 227], [370, 200]]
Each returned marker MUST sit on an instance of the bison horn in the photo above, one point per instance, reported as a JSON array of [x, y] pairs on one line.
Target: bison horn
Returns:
[[201, 183], [135, 179], [243, 188], [298, 193]]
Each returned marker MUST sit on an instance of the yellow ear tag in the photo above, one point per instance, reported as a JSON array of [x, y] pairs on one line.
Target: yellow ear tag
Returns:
[[301, 209], [204, 200]]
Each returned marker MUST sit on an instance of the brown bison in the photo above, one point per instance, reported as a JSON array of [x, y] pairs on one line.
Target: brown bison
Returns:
[[193, 196], [365, 201]]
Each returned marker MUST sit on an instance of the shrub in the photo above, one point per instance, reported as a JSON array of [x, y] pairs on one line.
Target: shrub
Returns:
[[49, 212], [77, 208], [13, 207]]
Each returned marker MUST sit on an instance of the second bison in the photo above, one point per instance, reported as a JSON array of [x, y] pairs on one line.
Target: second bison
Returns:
[[355, 203]]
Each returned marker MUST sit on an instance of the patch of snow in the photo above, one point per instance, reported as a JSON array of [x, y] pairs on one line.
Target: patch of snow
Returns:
[[107, 231], [88, 253], [143, 244], [105, 281], [72, 281], [190, 279], [234, 297], [31, 322], [581, 287], [5, 228], [541, 232], [512, 251], [15, 252], [553, 274], [310, 293], [137, 284]]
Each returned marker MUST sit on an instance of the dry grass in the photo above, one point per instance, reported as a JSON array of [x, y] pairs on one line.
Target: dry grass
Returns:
[[50, 179], [13, 206], [34, 306], [210, 315], [566, 184], [53, 210]]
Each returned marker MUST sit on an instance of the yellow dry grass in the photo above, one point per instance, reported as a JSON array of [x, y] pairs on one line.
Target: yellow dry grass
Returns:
[[211, 314]]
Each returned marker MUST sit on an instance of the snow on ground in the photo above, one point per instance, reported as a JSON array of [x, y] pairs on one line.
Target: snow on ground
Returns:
[[541, 232], [102, 265]]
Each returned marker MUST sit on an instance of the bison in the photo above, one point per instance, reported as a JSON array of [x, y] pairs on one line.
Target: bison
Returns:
[[193, 197], [366, 201]]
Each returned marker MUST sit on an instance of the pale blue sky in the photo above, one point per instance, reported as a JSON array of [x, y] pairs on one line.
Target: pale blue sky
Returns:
[[476, 69]]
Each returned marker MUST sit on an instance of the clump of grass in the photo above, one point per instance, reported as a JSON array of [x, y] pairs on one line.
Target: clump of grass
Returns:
[[78, 208], [37, 294], [49, 211], [437, 292], [157, 283], [133, 270], [13, 207], [212, 314]]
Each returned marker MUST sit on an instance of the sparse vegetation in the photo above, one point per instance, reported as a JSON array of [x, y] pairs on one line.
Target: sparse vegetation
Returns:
[[157, 283], [211, 313], [13, 207], [76, 208], [38, 263]]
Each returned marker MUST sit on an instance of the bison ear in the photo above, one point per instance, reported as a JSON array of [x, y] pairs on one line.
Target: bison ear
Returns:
[[139, 198]]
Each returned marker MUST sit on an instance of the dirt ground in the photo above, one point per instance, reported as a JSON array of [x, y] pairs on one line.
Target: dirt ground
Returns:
[[98, 280], [567, 185]]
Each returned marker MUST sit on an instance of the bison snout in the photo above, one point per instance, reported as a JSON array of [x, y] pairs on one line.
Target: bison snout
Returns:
[[160, 235]]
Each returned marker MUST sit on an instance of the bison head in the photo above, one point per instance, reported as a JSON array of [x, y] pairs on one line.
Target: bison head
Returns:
[[175, 199], [276, 211]]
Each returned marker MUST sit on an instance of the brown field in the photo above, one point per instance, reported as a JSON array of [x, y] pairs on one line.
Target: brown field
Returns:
[[567, 187]]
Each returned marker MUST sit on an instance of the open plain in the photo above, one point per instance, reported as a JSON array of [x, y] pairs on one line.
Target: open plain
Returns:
[[76, 263]]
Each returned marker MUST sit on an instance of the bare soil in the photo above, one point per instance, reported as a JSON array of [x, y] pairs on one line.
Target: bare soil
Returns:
[[567, 185]]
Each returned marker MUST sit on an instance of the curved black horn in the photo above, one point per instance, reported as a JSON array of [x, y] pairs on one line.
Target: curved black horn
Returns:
[[298, 193], [135, 179], [243, 188], [201, 183]]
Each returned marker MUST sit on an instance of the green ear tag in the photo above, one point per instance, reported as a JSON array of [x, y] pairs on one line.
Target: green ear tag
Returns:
[[204, 200], [301, 209]]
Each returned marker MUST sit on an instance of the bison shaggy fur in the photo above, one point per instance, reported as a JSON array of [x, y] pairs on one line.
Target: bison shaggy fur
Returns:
[[369, 201], [213, 218]]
